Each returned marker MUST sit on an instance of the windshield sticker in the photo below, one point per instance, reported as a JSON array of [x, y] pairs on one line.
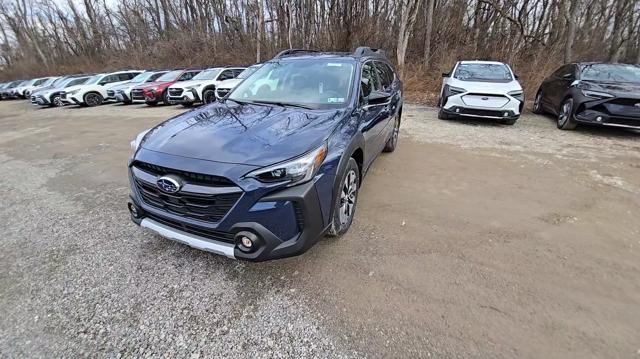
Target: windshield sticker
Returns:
[[334, 64], [335, 99]]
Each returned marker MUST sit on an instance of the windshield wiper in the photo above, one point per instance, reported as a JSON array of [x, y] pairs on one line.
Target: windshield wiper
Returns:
[[283, 104]]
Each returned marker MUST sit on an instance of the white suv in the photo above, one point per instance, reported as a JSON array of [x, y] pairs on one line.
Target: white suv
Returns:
[[482, 89], [202, 87], [224, 87], [94, 91]]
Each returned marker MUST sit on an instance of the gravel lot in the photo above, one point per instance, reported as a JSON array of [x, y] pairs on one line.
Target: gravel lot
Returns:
[[471, 240]]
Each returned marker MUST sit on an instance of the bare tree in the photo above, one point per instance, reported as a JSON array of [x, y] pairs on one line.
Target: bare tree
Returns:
[[571, 29], [408, 13]]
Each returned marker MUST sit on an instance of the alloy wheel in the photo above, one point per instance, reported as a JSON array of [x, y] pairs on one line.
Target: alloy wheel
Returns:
[[537, 102], [92, 100], [57, 101], [565, 112], [348, 197]]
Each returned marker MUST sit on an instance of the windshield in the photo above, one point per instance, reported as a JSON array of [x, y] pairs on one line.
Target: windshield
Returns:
[[143, 77], [94, 79], [321, 83], [611, 73], [59, 81], [248, 71], [169, 76], [208, 74], [483, 72], [79, 81]]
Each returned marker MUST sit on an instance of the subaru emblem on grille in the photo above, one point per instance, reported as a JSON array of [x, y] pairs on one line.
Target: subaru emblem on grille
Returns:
[[169, 184]]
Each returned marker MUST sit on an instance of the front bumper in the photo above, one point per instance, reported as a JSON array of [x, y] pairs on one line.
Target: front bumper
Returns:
[[285, 221], [472, 105], [612, 112], [186, 97], [121, 96]]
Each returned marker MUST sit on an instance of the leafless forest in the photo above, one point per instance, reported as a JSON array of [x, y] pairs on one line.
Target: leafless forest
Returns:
[[423, 37]]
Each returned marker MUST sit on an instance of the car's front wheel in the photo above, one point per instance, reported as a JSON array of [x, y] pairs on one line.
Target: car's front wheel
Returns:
[[93, 99], [537, 104], [344, 207], [209, 96], [565, 116], [57, 101]]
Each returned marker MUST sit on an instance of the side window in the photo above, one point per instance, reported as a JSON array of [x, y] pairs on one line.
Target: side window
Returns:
[[385, 74], [124, 77], [109, 79], [39, 82], [225, 75], [369, 81], [564, 70], [237, 72]]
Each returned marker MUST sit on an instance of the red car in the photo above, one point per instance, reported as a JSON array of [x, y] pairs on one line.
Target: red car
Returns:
[[156, 92]]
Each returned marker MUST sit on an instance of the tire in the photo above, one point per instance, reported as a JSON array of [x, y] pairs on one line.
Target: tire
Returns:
[[152, 103], [537, 104], [165, 98], [443, 116], [92, 99], [56, 101], [392, 142], [208, 96], [565, 119], [509, 121], [346, 199]]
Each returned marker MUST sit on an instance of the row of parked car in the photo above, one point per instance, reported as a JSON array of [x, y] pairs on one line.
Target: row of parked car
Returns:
[[179, 86]]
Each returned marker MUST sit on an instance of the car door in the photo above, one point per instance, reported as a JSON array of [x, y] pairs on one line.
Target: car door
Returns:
[[390, 86], [559, 85], [373, 115]]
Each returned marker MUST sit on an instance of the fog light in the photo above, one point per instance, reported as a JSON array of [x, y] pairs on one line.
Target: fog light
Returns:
[[246, 241], [506, 114], [457, 110], [599, 118], [134, 211]]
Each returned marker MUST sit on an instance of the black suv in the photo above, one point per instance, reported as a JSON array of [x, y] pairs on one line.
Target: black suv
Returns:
[[275, 165], [592, 93]]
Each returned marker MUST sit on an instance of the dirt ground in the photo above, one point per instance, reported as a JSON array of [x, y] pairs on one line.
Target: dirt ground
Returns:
[[471, 240]]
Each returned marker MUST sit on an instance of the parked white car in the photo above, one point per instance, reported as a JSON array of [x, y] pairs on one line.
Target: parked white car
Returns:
[[121, 92], [25, 89], [202, 87], [94, 91], [37, 87], [481, 89], [50, 96], [224, 87]]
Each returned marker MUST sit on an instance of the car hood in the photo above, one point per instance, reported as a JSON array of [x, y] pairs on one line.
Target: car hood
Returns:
[[185, 84], [498, 88], [615, 88], [243, 134], [229, 84], [154, 84]]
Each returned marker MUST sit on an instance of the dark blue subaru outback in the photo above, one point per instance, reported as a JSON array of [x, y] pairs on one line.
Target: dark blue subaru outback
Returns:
[[274, 166]]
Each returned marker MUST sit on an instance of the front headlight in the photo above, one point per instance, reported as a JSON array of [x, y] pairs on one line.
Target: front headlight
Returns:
[[517, 94], [596, 94], [297, 170], [452, 90], [135, 144]]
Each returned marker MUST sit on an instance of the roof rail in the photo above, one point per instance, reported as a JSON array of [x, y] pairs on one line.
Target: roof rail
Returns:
[[367, 51], [292, 51]]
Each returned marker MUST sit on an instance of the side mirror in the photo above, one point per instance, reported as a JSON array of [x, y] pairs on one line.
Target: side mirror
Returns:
[[516, 76], [445, 74], [378, 97]]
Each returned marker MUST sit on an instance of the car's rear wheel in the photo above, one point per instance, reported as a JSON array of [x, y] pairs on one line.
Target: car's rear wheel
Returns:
[[165, 98], [537, 103], [345, 201], [392, 142], [208, 96], [565, 115], [93, 99]]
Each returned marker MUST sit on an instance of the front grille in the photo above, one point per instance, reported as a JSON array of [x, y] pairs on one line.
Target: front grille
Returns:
[[625, 101], [199, 231], [175, 92], [478, 112], [222, 92], [111, 93], [191, 177], [201, 206], [137, 94]]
